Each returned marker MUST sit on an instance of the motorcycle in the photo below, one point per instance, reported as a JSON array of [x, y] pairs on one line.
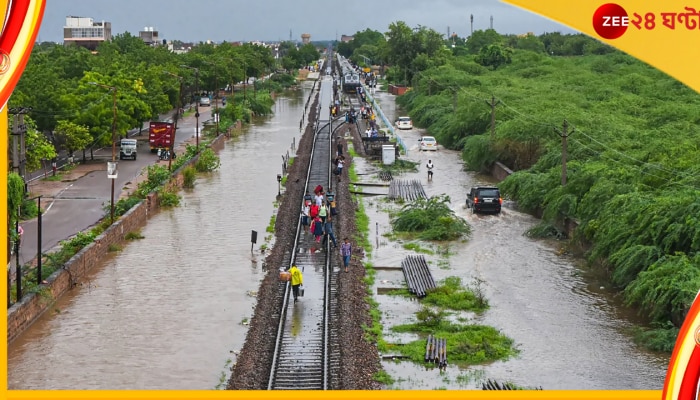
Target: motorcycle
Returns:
[[163, 154]]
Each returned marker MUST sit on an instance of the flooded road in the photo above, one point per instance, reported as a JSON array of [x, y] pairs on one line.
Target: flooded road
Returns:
[[170, 310], [570, 333]]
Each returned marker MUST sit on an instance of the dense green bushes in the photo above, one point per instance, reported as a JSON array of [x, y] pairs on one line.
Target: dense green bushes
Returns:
[[431, 219]]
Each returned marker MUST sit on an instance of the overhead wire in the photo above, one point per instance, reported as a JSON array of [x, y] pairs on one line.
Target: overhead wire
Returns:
[[677, 174]]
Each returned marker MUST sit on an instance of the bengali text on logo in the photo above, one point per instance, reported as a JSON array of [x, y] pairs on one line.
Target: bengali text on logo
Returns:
[[611, 20]]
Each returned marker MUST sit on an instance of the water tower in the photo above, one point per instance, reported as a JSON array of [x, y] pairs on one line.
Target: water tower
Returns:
[[305, 38]]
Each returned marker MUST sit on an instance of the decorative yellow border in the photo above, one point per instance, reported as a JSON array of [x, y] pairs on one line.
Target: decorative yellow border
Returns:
[[682, 48], [338, 395]]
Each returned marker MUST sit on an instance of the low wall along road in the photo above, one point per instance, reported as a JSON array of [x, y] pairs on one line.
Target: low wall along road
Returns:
[[23, 313]]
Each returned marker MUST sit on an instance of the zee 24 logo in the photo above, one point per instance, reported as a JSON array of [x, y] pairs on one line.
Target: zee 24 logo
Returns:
[[611, 20]]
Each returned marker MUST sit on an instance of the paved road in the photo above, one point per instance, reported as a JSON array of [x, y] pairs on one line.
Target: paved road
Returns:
[[85, 201]]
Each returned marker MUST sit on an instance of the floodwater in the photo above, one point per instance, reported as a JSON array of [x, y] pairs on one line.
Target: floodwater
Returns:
[[170, 311], [571, 333]]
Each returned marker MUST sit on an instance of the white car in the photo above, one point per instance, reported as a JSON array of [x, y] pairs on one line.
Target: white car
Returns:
[[404, 123], [428, 143], [204, 101]]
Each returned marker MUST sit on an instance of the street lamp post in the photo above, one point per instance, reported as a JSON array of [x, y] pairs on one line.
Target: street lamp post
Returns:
[[216, 97], [114, 144], [279, 184], [196, 104], [38, 247]]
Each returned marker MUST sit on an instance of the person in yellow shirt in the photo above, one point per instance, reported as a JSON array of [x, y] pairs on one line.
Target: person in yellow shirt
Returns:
[[297, 280]]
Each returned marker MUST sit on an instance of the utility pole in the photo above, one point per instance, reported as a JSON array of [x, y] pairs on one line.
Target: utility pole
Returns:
[[564, 135], [177, 115], [19, 151], [471, 21], [493, 105]]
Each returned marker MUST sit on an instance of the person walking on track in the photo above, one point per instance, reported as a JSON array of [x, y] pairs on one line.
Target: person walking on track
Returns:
[[297, 280], [346, 252]]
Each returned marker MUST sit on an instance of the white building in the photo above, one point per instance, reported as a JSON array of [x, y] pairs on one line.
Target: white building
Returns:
[[84, 32]]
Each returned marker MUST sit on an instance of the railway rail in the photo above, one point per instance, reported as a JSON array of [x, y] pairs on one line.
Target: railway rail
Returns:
[[307, 354]]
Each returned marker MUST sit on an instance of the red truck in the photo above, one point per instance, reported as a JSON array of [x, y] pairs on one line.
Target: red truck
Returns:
[[160, 135]]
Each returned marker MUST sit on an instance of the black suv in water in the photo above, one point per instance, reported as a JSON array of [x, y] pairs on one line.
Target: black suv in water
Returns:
[[485, 199]]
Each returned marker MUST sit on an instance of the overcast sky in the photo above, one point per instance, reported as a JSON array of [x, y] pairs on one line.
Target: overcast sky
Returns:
[[272, 20]]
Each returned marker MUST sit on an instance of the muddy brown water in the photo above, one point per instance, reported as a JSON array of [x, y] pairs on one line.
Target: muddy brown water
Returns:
[[168, 311]]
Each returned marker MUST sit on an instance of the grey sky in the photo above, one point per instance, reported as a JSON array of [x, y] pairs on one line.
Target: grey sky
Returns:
[[234, 20]]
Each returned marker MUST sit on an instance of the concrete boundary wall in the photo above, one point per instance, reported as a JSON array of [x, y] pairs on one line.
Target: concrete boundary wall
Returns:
[[22, 314]]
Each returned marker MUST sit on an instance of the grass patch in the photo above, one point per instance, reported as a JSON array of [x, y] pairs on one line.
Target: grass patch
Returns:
[[168, 199], [189, 175], [431, 219], [53, 178], [383, 377], [134, 235], [114, 247], [470, 344], [403, 292], [450, 294], [401, 165], [271, 226], [417, 248]]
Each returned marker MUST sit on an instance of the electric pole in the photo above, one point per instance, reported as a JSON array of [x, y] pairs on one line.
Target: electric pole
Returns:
[[564, 135], [471, 21], [19, 151], [493, 105]]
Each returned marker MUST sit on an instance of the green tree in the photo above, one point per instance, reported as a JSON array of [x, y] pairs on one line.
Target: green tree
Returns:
[[308, 54], [73, 136], [494, 55], [531, 43], [38, 147], [481, 38]]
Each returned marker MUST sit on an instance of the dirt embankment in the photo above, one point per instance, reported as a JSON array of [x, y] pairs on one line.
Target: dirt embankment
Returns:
[[359, 359]]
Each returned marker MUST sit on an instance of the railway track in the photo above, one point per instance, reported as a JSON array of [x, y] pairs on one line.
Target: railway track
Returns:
[[307, 353]]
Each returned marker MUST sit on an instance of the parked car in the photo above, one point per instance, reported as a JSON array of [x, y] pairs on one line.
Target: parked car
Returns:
[[404, 123], [204, 101], [428, 143], [484, 199]]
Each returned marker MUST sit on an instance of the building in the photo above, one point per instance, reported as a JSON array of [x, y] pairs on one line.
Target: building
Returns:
[[84, 32], [149, 36], [346, 38], [305, 38]]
